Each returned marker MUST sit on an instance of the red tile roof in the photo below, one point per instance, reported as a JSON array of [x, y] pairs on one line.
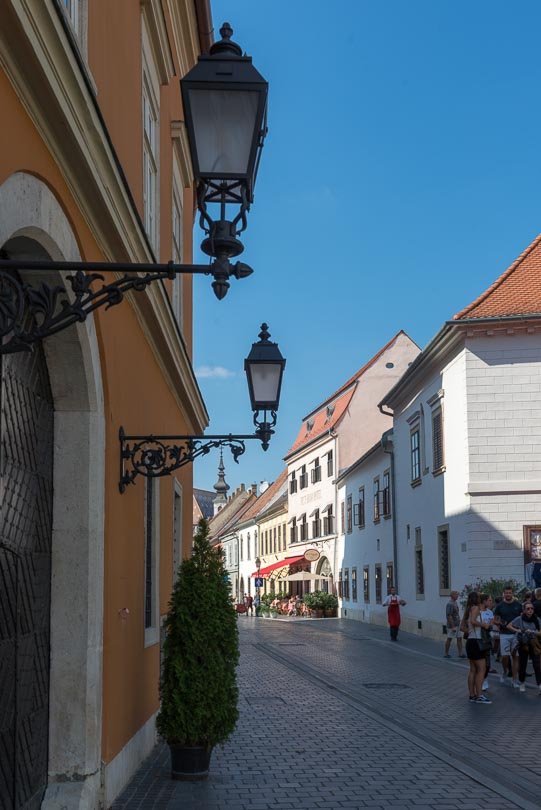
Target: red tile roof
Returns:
[[322, 423], [265, 498], [515, 292]]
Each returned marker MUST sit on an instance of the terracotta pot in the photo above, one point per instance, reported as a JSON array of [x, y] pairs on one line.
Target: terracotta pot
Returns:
[[317, 613], [189, 763], [330, 613]]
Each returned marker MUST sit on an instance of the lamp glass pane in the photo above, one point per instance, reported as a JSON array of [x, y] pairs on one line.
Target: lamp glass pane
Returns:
[[224, 123], [265, 381]]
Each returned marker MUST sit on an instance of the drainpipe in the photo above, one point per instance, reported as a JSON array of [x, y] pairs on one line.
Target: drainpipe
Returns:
[[387, 447]]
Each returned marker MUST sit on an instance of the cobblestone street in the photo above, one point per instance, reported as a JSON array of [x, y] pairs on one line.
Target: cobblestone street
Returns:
[[333, 715]]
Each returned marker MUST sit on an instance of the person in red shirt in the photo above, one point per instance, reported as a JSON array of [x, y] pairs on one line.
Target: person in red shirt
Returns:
[[393, 603]]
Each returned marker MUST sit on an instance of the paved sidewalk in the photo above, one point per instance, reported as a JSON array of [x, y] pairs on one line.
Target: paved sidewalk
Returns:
[[333, 715]]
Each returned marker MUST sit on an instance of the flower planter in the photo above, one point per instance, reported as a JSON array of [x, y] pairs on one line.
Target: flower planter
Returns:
[[317, 613], [189, 764], [331, 613]]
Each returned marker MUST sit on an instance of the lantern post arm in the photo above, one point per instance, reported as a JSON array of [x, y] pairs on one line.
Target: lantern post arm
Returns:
[[157, 456], [53, 310]]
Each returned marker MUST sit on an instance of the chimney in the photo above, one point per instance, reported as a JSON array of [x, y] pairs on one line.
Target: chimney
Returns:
[[263, 486], [254, 489]]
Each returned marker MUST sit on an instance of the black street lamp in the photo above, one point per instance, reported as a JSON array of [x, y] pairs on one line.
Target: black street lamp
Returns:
[[225, 101], [156, 456], [225, 106]]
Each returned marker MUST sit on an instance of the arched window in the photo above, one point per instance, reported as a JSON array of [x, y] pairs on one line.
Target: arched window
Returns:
[[248, 547]]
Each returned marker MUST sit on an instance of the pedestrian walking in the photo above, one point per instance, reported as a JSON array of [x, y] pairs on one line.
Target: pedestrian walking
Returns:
[[504, 613], [452, 617], [476, 655], [527, 629], [537, 603], [393, 603], [486, 603], [249, 604]]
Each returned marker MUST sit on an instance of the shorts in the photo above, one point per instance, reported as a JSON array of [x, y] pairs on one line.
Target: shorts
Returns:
[[472, 650], [506, 643], [454, 633]]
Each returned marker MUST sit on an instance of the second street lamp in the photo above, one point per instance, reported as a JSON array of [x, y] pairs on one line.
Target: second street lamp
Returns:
[[156, 456]]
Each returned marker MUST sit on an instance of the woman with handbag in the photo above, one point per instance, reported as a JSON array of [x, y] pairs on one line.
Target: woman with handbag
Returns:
[[528, 640], [476, 648]]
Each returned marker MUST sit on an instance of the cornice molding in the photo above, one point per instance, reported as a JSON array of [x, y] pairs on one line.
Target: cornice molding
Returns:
[[159, 39]]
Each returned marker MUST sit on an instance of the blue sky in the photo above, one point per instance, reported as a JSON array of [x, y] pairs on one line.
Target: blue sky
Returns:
[[400, 177]]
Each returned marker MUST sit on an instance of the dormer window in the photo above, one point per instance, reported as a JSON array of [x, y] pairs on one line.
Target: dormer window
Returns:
[[330, 411], [309, 425]]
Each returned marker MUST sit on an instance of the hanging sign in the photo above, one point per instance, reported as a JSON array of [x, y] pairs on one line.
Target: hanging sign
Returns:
[[311, 554]]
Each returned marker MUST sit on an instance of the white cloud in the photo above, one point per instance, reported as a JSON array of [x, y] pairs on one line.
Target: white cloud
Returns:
[[214, 372]]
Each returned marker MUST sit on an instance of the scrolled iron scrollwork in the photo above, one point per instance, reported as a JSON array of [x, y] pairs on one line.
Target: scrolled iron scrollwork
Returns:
[[155, 457]]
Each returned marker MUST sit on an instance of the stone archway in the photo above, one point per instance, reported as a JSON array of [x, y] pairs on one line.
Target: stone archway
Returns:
[[34, 226], [324, 568]]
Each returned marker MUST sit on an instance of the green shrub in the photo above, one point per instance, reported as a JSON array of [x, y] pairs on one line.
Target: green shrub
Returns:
[[198, 687], [492, 587]]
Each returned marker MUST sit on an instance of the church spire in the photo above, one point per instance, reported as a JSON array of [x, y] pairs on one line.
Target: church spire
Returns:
[[221, 487]]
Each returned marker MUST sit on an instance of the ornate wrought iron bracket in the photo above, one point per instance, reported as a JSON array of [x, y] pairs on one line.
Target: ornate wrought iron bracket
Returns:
[[156, 456], [53, 310]]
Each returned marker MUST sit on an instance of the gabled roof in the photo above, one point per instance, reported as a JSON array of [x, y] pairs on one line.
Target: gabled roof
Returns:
[[515, 292], [266, 498], [322, 423], [204, 500]]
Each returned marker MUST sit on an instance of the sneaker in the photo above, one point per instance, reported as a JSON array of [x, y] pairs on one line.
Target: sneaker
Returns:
[[502, 678], [516, 684], [462, 656], [522, 687], [472, 698], [482, 699], [485, 686], [446, 656]]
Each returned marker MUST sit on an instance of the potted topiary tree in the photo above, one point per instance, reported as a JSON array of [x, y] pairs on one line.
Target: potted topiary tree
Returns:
[[198, 687]]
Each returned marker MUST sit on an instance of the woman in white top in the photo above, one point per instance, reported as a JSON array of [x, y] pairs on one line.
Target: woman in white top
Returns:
[[476, 657]]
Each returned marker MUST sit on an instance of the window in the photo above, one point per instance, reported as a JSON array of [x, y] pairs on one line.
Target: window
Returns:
[[274, 547], [361, 507], [328, 522], [303, 479], [279, 538], [241, 549], [389, 576], [386, 501], [330, 467], [340, 584], [266, 542], [437, 441], [354, 584], [419, 567], [248, 546], [316, 524], [72, 11], [342, 517], [293, 531], [292, 483], [376, 499], [350, 513], [316, 472], [415, 450], [304, 529], [443, 559], [345, 586], [176, 248], [366, 583], [378, 583], [150, 161], [152, 552], [283, 536]]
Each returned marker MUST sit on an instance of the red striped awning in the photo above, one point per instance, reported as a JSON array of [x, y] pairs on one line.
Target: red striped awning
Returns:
[[263, 572]]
